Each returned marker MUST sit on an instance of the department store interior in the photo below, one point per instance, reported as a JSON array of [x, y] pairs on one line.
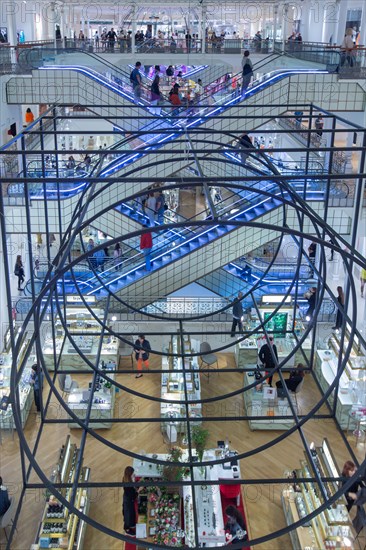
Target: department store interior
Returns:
[[183, 287]]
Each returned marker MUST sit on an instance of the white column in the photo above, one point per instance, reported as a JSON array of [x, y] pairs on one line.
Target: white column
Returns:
[[51, 19], [133, 19], [203, 28], [331, 22], [275, 16], [10, 9], [285, 13]]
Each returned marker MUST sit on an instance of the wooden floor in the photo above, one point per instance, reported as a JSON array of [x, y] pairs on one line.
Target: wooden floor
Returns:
[[262, 502]]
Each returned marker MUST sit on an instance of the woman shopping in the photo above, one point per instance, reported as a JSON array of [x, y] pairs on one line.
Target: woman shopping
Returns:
[[129, 502]]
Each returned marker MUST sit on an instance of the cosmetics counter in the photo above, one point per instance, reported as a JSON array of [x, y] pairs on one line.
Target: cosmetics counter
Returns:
[[351, 397], [103, 400], [60, 529], [210, 519], [79, 320], [246, 351], [262, 400], [330, 529], [25, 389], [174, 385]]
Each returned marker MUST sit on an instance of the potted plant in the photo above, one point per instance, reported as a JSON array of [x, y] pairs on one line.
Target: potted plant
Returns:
[[199, 437], [172, 472]]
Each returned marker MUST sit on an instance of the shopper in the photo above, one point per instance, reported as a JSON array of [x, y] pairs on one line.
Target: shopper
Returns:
[[37, 382], [340, 300], [311, 296], [111, 36], [247, 71], [29, 116], [136, 81], [319, 123], [71, 163], [245, 143], [87, 162], [295, 378], [142, 349], [170, 71], [146, 245], [4, 498], [363, 280], [150, 207], [349, 470], [237, 315], [312, 257], [129, 502], [117, 257], [347, 49], [19, 271], [155, 94], [174, 97], [268, 356], [160, 206], [235, 523]]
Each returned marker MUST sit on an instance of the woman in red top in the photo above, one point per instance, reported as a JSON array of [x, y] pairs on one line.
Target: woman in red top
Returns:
[[174, 96], [146, 246]]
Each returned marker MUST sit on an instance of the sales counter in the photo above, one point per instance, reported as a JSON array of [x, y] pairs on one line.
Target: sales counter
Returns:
[[266, 403], [246, 351], [210, 520]]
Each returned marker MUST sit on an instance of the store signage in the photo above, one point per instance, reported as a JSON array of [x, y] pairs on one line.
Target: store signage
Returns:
[[79, 300], [275, 299]]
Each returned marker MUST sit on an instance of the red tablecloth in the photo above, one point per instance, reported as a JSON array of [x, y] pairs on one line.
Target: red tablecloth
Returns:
[[230, 491]]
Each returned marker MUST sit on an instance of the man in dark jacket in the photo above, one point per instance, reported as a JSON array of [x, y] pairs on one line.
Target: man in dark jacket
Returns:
[[237, 314], [142, 348], [246, 145], [269, 356]]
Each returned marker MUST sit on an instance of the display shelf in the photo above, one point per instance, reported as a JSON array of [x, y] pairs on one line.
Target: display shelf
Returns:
[[24, 386], [174, 385], [59, 528], [330, 528], [103, 401], [257, 404]]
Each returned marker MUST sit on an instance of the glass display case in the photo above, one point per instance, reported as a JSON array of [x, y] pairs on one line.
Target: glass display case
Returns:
[[25, 389], [59, 528], [175, 385], [78, 320], [332, 527], [246, 351], [258, 402], [103, 400]]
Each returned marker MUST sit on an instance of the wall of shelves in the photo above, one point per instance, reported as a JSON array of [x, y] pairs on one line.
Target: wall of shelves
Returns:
[[58, 527], [331, 528]]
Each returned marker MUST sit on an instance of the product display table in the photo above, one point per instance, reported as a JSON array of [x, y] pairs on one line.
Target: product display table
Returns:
[[70, 358], [102, 407], [258, 404], [175, 385]]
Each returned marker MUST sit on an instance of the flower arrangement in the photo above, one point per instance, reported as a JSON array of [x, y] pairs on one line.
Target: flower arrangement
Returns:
[[167, 520]]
